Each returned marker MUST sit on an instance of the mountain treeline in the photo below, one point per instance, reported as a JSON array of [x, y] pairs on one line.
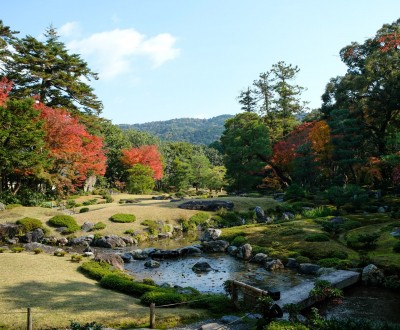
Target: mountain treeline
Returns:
[[192, 130]]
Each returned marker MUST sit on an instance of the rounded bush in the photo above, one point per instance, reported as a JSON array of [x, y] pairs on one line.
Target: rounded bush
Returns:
[[65, 221], [162, 298], [96, 270], [123, 218], [29, 224], [124, 283], [239, 240], [317, 238], [216, 303], [99, 226], [329, 262], [84, 210]]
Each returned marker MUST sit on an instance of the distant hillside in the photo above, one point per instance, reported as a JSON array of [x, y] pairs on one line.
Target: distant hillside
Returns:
[[193, 130]]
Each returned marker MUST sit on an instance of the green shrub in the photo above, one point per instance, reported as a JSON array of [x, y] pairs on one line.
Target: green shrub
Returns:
[[339, 255], [71, 203], [96, 270], [123, 218], [12, 206], [87, 326], [317, 238], [291, 231], [84, 210], [239, 241], [215, 303], [396, 247], [60, 253], [76, 258], [318, 212], [199, 218], [368, 240], [108, 198], [38, 250], [260, 249], [162, 297], [129, 232], [99, 226], [151, 225], [286, 325], [149, 281], [17, 249], [90, 202], [124, 283], [65, 221], [2, 250], [329, 262], [303, 260], [29, 224], [294, 192]]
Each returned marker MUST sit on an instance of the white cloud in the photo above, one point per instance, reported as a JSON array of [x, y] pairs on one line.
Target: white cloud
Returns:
[[113, 52], [69, 29]]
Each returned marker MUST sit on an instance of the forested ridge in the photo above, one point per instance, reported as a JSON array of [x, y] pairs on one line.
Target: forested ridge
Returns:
[[192, 130]]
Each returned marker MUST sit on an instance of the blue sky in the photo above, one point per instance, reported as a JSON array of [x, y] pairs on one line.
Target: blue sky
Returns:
[[165, 59]]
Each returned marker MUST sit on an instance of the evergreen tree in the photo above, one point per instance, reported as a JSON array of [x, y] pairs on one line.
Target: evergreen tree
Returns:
[[46, 70]]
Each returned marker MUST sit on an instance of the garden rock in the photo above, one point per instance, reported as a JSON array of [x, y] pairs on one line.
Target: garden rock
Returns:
[[36, 235], [232, 250], [189, 250], [211, 234], [325, 271], [165, 254], [382, 209], [372, 275], [129, 240], [152, 264], [165, 235], [308, 268], [292, 263], [81, 240], [61, 229], [227, 319], [260, 258], [2, 207], [9, 230], [110, 241], [201, 267], [207, 205], [35, 245], [112, 259], [215, 246], [337, 220], [62, 241], [245, 252], [87, 226], [286, 216], [260, 215], [126, 257], [274, 265]]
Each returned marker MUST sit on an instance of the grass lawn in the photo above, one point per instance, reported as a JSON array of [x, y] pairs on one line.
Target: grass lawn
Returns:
[[57, 293]]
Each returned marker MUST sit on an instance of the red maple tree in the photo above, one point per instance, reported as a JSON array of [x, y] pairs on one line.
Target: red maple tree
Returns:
[[5, 88], [145, 155]]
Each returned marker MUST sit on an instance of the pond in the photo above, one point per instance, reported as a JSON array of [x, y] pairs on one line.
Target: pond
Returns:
[[224, 267]]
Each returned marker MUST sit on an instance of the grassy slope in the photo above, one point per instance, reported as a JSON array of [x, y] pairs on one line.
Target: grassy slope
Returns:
[[58, 293]]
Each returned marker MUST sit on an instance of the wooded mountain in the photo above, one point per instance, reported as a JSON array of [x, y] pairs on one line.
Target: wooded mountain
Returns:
[[192, 130]]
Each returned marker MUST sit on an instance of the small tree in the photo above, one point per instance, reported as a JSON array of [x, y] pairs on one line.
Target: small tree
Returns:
[[140, 179]]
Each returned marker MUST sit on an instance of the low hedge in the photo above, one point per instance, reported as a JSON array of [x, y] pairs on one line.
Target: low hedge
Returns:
[[96, 270], [317, 238], [123, 217], [29, 224], [124, 283], [215, 303], [65, 221]]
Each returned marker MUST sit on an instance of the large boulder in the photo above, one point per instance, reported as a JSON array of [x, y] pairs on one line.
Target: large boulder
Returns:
[[152, 264], [113, 259], [9, 230], [2, 207], [190, 250], [36, 235], [201, 267], [165, 254], [372, 275], [232, 250], [260, 215], [215, 246], [292, 263], [260, 258], [81, 240], [207, 205], [35, 245], [245, 252], [109, 241], [211, 234], [273, 265], [87, 226], [308, 268]]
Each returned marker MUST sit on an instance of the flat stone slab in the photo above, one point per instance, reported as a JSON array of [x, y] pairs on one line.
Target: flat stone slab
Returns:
[[300, 294]]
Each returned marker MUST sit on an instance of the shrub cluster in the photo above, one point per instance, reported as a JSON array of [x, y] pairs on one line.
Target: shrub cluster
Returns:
[[99, 226], [123, 218], [65, 221], [90, 202], [84, 210], [317, 238], [96, 270], [124, 283], [29, 224]]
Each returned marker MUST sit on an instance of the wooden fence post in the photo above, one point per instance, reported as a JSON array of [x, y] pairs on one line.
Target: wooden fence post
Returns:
[[29, 319], [152, 315]]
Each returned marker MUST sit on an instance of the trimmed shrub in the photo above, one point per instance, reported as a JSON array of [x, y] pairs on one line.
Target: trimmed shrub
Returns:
[[152, 226], [124, 283], [317, 238], [239, 240], [17, 249], [38, 250], [60, 253], [99, 226], [199, 218], [149, 281], [286, 325], [162, 298], [303, 260], [65, 221], [84, 210], [76, 258], [29, 224], [90, 202], [339, 255], [123, 218], [96, 270], [108, 198], [317, 212], [329, 262]]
